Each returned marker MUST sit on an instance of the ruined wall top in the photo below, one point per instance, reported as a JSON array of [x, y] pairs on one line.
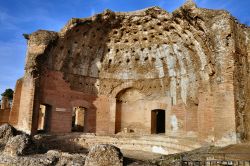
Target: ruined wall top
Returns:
[[5, 103], [184, 48]]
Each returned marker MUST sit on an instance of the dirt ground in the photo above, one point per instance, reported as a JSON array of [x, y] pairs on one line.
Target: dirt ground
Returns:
[[63, 150]]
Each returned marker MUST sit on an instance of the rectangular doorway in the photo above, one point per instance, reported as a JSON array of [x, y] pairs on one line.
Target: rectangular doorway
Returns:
[[157, 121], [79, 119], [44, 118]]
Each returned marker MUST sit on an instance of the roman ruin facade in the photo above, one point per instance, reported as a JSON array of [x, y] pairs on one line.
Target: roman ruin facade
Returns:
[[142, 72]]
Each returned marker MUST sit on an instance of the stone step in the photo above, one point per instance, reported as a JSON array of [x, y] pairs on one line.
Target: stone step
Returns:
[[162, 145]]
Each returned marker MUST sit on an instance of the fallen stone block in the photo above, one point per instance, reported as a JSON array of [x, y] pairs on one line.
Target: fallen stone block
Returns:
[[104, 155]]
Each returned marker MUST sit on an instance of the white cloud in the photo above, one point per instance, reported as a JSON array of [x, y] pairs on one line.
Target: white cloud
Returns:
[[10, 48], [3, 16], [6, 21], [13, 45]]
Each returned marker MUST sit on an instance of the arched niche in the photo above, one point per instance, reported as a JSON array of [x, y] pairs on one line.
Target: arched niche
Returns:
[[130, 111]]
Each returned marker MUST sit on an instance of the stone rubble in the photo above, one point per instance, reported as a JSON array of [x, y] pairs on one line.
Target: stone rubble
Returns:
[[104, 155]]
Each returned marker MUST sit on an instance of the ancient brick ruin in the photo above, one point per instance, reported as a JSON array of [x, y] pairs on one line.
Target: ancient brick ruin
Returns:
[[142, 72], [5, 108]]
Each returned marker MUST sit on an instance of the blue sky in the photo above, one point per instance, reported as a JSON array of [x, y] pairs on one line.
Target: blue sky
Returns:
[[26, 16]]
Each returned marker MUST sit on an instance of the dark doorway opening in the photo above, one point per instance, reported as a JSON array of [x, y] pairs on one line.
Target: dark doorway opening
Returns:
[[157, 121], [118, 117]]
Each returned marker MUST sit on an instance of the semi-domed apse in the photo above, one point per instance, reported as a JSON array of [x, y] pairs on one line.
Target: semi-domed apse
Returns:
[[184, 73]]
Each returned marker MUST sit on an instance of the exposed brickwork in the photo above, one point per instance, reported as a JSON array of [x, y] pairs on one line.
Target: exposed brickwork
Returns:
[[193, 63], [16, 103], [4, 116], [5, 104]]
